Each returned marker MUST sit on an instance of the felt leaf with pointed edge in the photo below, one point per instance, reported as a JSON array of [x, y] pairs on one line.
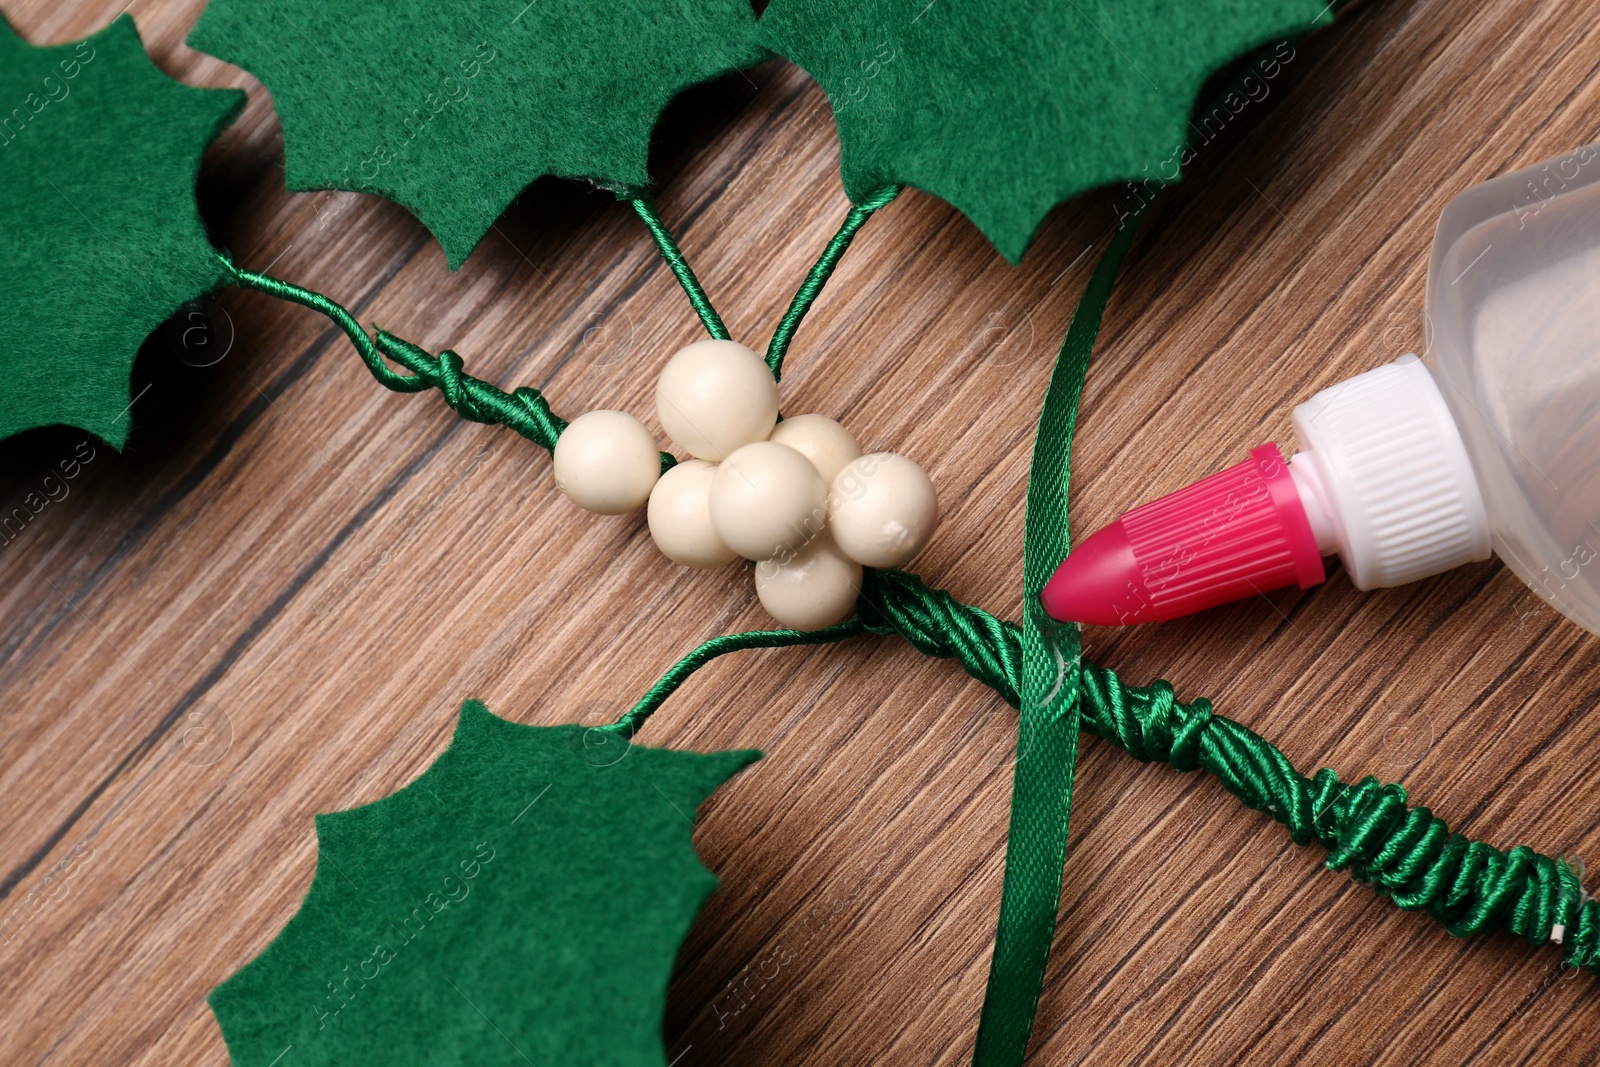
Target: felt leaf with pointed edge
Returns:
[[100, 239], [1005, 108], [521, 901], [452, 109]]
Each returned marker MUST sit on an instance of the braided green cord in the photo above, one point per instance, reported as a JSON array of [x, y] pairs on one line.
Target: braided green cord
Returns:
[[524, 410], [818, 276], [1407, 854], [646, 210]]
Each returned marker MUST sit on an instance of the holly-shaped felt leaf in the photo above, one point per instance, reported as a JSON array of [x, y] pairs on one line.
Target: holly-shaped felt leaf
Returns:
[[100, 239], [452, 109], [521, 902], [1005, 108]]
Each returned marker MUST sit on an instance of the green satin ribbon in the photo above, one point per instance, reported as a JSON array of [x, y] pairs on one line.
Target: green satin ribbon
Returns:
[[1047, 732]]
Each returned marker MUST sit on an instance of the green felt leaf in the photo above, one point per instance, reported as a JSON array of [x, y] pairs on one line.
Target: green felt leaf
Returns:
[[100, 239], [1005, 108], [521, 902], [452, 109]]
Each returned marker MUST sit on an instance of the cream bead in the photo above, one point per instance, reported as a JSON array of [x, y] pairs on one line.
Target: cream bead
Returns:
[[882, 510], [606, 461], [715, 397], [680, 516], [815, 588], [767, 500], [824, 442]]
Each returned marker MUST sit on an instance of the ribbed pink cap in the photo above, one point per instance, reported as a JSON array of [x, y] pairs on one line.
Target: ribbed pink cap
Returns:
[[1239, 532]]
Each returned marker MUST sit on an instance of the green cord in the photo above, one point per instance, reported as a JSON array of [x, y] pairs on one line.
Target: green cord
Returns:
[[680, 267], [524, 410], [815, 279], [1407, 854], [635, 717]]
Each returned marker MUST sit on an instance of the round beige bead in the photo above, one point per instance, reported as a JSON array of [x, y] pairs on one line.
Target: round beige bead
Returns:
[[606, 461], [680, 516], [882, 509], [715, 397], [767, 500], [824, 442], [817, 587]]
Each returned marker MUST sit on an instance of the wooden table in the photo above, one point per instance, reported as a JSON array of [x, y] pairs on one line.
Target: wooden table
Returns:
[[318, 571]]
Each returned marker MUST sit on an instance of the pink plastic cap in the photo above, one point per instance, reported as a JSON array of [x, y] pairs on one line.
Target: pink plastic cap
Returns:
[[1239, 532]]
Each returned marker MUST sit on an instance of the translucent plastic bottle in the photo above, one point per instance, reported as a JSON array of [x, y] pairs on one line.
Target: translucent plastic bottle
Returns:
[[1409, 469]]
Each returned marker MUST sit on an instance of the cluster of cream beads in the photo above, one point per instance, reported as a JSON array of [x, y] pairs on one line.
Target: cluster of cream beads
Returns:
[[797, 496]]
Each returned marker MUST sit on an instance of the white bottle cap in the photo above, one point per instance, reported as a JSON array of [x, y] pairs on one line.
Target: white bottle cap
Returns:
[[1385, 478]]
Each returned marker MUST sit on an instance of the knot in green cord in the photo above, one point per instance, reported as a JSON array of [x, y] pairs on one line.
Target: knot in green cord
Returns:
[[526, 410], [1151, 724], [1372, 826], [452, 383]]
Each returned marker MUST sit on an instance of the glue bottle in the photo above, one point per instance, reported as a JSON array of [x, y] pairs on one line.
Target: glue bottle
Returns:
[[1412, 468]]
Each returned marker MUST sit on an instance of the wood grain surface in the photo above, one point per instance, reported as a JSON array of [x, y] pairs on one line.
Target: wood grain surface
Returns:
[[318, 571]]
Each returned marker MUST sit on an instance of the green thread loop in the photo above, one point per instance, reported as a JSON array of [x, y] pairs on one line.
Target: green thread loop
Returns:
[[1407, 854]]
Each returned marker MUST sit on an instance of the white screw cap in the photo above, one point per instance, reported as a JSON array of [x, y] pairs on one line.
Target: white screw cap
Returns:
[[1385, 478]]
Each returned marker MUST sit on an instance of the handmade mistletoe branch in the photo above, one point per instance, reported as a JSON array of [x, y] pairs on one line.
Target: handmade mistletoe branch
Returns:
[[1007, 150], [1406, 853]]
